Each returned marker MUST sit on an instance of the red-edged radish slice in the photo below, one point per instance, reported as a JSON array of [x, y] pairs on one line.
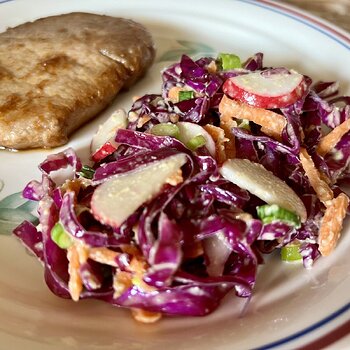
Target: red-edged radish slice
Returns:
[[102, 143], [117, 198], [190, 130], [107, 148], [267, 91], [254, 178]]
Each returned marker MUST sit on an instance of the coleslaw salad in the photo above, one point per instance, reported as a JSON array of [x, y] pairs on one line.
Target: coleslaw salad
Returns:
[[189, 172]]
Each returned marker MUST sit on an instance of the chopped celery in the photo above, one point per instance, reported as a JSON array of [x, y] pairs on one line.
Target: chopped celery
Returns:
[[87, 172], [290, 252], [243, 124], [60, 236], [229, 61], [268, 213], [166, 129], [196, 142], [185, 95]]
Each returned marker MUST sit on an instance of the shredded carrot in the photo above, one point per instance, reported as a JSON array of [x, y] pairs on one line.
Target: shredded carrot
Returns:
[[271, 122], [328, 142], [173, 94], [104, 256], [323, 191], [138, 266], [83, 252], [138, 263], [75, 284], [144, 316], [122, 281], [143, 120], [226, 124], [325, 178], [175, 179], [131, 249], [332, 224], [220, 140]]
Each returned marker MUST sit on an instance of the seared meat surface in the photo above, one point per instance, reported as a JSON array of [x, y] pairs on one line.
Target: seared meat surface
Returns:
[[58, 72]]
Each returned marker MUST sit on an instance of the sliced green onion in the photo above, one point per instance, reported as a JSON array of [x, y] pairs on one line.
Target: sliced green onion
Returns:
[[229, 61], [269, 213], [87, 172], [243, 124], [290, 252], [166, 129], [185, 95], [196, 142], [61, 237]]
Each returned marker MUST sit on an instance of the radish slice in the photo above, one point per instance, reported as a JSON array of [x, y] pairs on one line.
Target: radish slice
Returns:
[[267, 91], [116, 199], [254, 178], [102, 143], [108, 148], [190, 130]]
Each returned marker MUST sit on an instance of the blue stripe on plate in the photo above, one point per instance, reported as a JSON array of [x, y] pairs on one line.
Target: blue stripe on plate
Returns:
[[307, 330], [298, 19]]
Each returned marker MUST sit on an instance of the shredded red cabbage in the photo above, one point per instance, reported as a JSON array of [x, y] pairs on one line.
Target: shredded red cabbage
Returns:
[[166, 235]]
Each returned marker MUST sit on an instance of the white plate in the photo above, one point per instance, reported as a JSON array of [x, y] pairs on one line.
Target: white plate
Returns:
[[291, 306]]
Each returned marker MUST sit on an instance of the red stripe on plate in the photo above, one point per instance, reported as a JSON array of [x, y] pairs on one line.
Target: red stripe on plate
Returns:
[[329, 338]]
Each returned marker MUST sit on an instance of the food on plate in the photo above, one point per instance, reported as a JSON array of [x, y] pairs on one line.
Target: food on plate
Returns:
[[128, 193], [191, 189], [275, 88], [272, 123], [270, 188], [102, 144], [58, 72]]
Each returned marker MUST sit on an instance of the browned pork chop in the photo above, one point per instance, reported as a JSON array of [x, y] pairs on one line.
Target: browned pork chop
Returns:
[[58, 72]]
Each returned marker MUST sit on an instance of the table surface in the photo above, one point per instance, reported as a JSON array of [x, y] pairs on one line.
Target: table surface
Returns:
[[334, 11]]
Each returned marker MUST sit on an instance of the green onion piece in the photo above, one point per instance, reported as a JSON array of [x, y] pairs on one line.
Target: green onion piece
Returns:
[[269, 213], [185, 95], [166, 129], [243, 124], [61, 237], [196, 142], [229, 61], [87, 172], [290, 252]]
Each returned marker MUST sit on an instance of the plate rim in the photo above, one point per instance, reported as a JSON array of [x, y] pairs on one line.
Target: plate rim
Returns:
[[342, 38]]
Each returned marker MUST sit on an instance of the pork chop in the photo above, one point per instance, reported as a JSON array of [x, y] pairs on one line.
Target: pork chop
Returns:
[[56, 73]]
